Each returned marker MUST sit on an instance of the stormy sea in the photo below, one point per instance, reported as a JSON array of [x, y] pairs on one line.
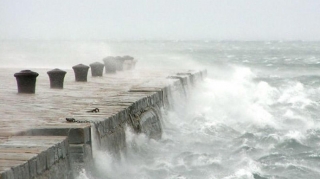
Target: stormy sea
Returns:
[[256, 116]]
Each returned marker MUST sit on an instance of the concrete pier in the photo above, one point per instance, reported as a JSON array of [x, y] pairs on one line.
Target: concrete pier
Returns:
[[36, 140]]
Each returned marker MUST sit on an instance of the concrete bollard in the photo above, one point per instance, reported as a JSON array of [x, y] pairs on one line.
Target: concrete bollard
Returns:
[[119, 61], [26, 81], [97, 68], [56, 77], [81, 72], [110, 64], [133, 62]]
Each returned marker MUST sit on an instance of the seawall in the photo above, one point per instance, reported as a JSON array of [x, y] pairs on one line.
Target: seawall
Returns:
[[36, 140]]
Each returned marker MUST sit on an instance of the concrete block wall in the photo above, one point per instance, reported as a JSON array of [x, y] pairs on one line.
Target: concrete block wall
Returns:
[[110, 132], [28, 157], [141, 109], [79, 139], [111, 135]]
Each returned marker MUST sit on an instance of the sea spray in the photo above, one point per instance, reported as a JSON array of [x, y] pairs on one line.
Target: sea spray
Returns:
[[233, 126]]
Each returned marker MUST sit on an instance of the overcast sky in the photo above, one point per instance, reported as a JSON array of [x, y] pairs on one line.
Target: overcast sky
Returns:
[[160, 19]]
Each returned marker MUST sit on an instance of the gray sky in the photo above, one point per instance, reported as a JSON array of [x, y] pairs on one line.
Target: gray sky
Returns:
[[160, 19]]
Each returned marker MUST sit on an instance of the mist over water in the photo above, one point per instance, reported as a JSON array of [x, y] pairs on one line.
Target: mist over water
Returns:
[[256, 116]]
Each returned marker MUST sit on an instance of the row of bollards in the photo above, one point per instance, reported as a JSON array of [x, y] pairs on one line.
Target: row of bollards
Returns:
[[113, 64], [26, 79]]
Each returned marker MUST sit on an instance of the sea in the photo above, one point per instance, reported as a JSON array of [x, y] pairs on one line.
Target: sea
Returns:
[[255, 116]]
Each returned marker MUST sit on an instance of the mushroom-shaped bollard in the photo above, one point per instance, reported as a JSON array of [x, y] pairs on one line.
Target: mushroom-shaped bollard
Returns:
[[81, 72], [97, 68], [26, 81], [119, 61], [110, 64], [56, 77]]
